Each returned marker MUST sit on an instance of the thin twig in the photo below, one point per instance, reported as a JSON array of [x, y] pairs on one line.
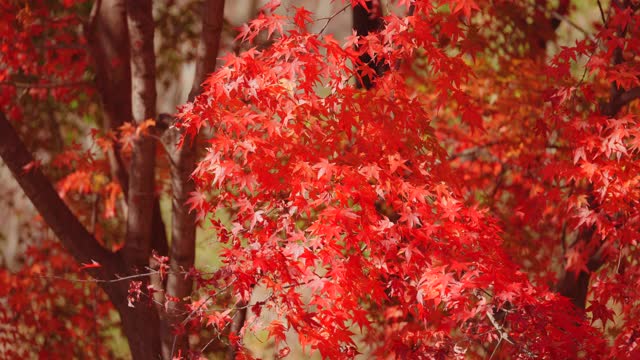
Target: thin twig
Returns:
[[52, 85], [191, 314], [218, 335], [208, 343], [619, 260], [331, 18], [495, 349], [561, 17], [500, 329], [604, 20], [117, 279]]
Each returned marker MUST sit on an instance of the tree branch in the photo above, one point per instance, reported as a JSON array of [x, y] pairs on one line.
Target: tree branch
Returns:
[[138, 322], [49, 85], [236, 327], [73, 235], [621, 99]]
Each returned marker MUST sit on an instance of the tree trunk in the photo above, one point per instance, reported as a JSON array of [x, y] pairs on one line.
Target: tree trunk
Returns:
[[108, 38], [141, 324], [109, 42], [137, 248], [183, 163], [575, 287], [236, 328], [366, 20], [572, 285]]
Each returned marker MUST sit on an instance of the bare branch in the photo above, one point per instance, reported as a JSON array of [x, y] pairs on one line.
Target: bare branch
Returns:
[[73, 235], [46, 85], [604, 19], [328, 19]]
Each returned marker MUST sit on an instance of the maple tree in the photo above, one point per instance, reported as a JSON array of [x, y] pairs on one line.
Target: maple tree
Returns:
[[450, 181]]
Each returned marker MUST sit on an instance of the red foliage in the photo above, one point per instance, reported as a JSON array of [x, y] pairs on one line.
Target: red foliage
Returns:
[[305, 164], [50, 310], [440, 214]]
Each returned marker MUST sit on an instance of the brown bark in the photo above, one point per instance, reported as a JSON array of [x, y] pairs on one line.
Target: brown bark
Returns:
[[140, 327], [108, 37], [109, 42], [236, 327], [138, 322], [576, 286], [141, 195], [73, 235], [212, 22], [183, 163], [182, 251], [142, 330]]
